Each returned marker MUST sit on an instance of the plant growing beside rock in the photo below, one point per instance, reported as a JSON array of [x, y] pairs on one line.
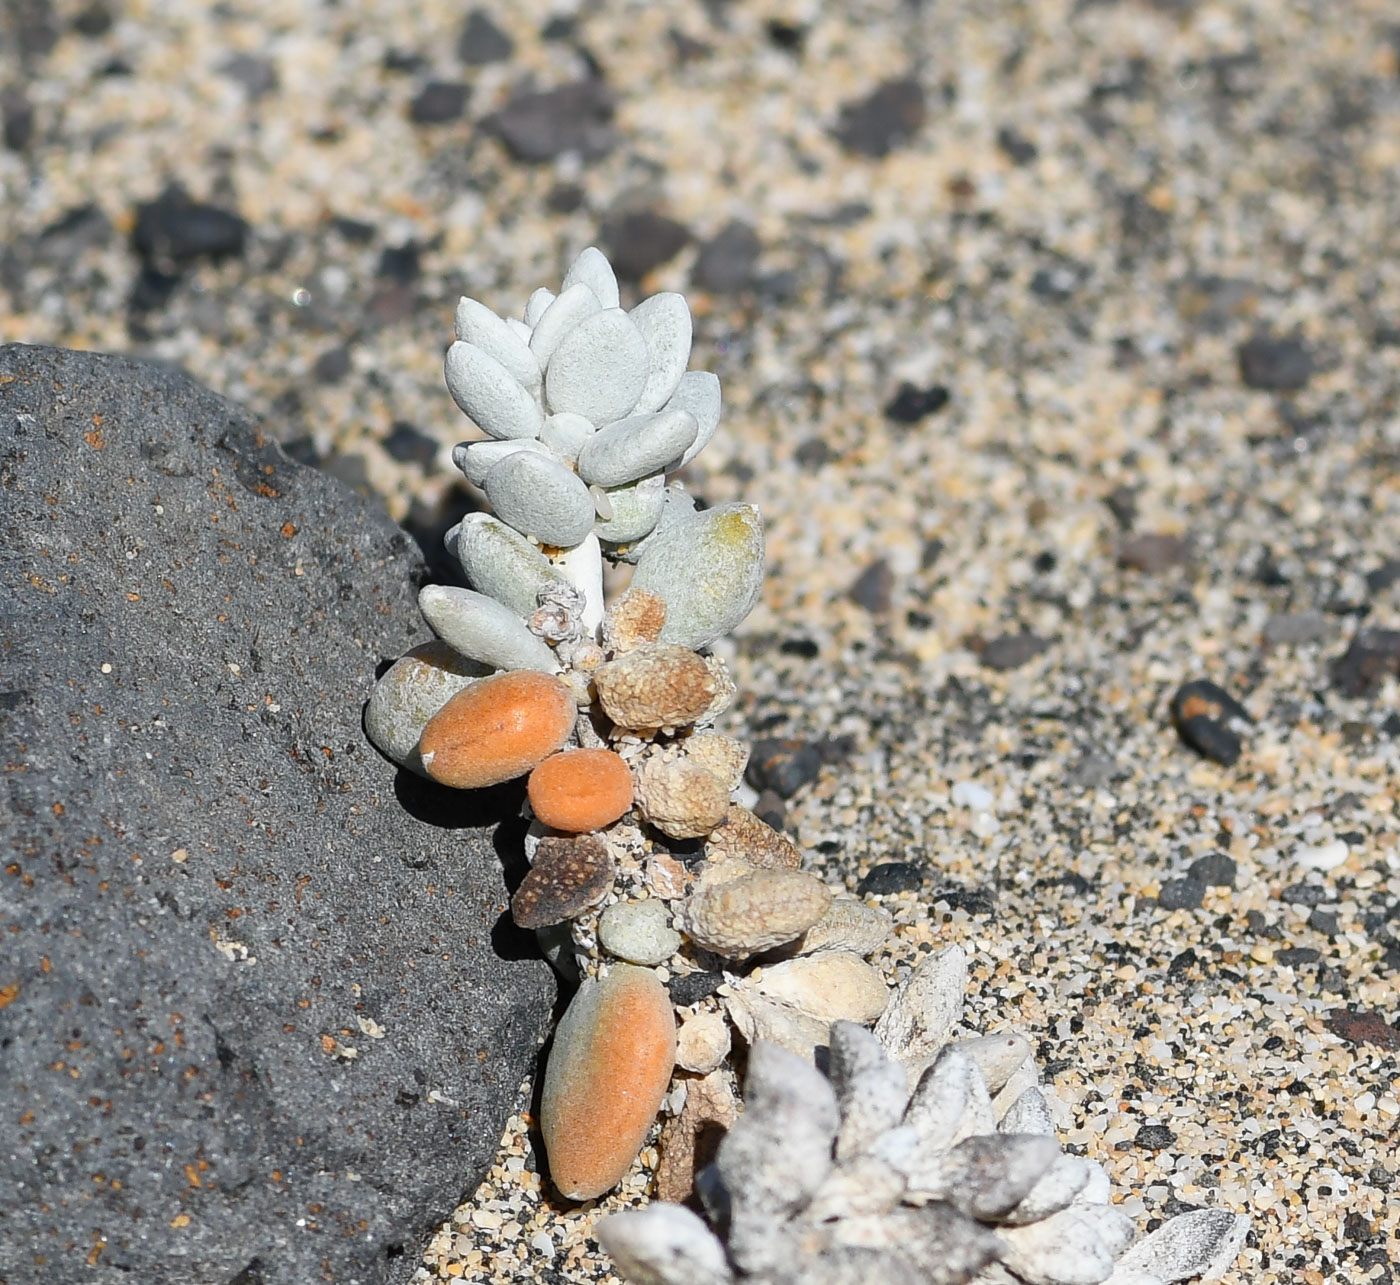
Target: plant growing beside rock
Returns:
[[641, 857], [661, 894]]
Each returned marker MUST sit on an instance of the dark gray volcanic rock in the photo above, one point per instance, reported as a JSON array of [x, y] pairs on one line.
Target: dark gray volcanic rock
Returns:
[[259, 1018]]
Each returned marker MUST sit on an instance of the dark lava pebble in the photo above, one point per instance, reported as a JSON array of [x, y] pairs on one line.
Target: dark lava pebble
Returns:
[[1275, 365], [813, 453], [565, 198], [783, 765], [355, 231], [410, 445], [727, 261], [1122, 503], [1018, 149], [1380, 578], [1185, 893], [1324, 922], [541, 125], [1363, 1028], [438, 102], [1303, 894], [1200, 710], [976, 901], [1215, 870], [332, 365], [1183, 963], [891, 877], [1373, 654], [1011, 651], [173, 231], [770, 809], [18, 113], [639, 240], [1296, 955], [400, 263], [257, 76], [93, 20], [690, 988], [1155, 1137], [483, 42], [1153, 552], [873, 588], [877, 124], [910, 404]]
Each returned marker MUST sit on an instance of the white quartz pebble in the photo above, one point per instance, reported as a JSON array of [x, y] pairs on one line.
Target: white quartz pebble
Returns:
[[966, 794], [1325, 856]]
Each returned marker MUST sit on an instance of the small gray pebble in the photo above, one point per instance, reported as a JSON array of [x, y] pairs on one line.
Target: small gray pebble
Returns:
[[639, 932]]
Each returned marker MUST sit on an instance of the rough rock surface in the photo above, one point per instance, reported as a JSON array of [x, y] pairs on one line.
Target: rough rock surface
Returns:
[[268, 1024]]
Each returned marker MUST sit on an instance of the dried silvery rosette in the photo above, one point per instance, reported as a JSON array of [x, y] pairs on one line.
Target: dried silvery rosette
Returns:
[[918, 1158]]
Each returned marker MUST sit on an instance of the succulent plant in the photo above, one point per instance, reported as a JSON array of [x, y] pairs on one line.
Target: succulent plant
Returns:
[[916, 1158], [608, 707]]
